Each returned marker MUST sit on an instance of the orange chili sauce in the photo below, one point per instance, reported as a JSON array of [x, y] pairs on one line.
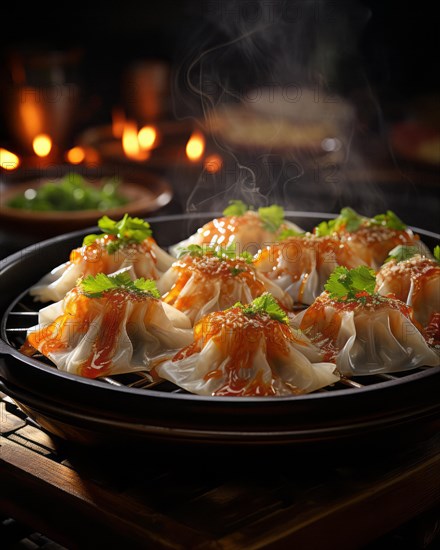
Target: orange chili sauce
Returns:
[[239, 336]]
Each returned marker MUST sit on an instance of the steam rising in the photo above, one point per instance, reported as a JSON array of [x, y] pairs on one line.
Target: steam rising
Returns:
[[269, 82]]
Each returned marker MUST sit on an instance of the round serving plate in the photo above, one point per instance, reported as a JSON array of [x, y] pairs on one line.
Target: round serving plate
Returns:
[[145, 192], [132, 409]]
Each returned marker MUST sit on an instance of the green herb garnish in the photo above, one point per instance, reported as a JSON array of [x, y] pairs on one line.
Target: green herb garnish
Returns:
[[348, 220], [351, 284], [70, 193], [437, 253], [390, 220], [265, 304], [402, 252], [286, 233], [222, 253], [271, 216], [127, 231], [235, 208], [95, 286]]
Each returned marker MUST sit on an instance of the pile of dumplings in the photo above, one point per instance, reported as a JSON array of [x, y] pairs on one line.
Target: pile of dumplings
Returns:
[[250, 305]]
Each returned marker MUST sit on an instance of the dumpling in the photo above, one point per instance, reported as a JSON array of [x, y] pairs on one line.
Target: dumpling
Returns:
[[124, 243], [246, 229], [108, 325], [248, 351], [362, 331], [205, 280], [414, 279], [302, 265], [370, 239]]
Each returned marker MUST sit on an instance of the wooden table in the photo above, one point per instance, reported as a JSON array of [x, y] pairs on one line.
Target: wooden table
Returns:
[[204, 498]]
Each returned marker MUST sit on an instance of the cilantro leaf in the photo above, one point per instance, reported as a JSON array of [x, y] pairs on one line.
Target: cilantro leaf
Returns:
[[349, 219], [271, 216], [267, 304], [437, 253], [235, 208], [223, 253], [193, 250], [95, 286], [324, 228], [128, 230], [286, 233], [350, 284], [402, 252], [390, 220]]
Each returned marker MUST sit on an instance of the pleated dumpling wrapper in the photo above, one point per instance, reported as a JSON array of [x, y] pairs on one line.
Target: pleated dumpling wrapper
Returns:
[[107, 325], [415, 279], [207, 279], [362, 331], [248, 350], [370, 239], [301, 264], [248, 230], [124, 243]]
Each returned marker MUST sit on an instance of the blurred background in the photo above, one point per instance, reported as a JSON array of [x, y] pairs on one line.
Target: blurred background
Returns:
[[314, 105]]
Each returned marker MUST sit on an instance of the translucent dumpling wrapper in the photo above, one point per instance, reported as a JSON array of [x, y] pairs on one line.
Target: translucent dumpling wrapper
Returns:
[[301, 265], [245, 352], [368, 335], [248, 230], [116, 330], [371, 239], [131, 246], [203, 282], [416, 281]]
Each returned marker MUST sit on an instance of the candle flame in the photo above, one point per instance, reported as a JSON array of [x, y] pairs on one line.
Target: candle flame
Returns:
[[195, 146], [130, 143], [213, 163], [76, 155], [147, 136], [8, 160], [42, 145]]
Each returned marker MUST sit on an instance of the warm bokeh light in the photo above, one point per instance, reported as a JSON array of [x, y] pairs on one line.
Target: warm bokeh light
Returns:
[[8, 160], [195, 146], [213, 163], [118, 122], [147, 136], [42, 145], [76, 155], [130, 143]]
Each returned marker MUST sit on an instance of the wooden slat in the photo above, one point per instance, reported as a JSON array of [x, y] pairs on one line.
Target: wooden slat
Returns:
[[76, 512]]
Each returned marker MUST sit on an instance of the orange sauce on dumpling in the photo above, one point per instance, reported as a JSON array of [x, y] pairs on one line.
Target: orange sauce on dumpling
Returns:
[[239, 336], [79, 312], [95, 257], [206, 270], [324, 332]]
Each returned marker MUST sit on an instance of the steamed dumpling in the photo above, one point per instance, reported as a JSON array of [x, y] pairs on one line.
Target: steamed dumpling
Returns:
[[414, 279], [302, 265], [108, 325], [248, 351], [203, 281], [246, 229], [370, 239], [127, 243], [362, 331]]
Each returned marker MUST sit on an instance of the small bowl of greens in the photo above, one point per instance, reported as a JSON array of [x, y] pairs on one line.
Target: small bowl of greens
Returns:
[[57, 202]]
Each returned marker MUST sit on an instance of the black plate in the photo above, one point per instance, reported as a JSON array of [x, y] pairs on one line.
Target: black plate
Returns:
[[94, 411]]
